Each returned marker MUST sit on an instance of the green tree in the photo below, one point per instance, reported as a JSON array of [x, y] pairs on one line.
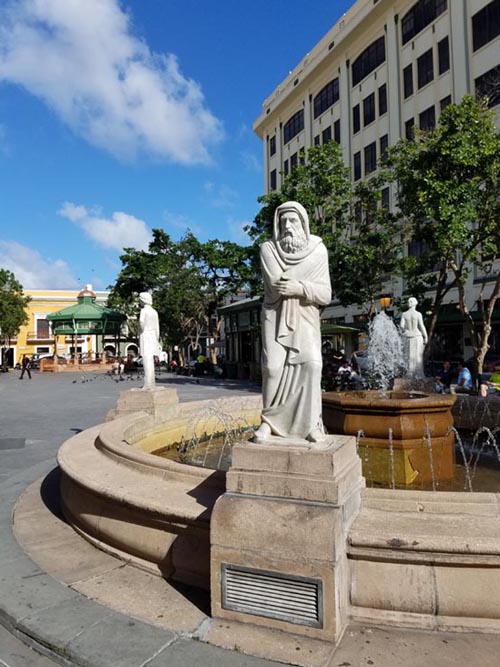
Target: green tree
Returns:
[[13, 305], [359, 231], [449, 196], [189, 280]]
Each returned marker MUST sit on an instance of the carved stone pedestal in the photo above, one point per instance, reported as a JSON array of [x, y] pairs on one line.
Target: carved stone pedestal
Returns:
[[161, 403], [278, 548]]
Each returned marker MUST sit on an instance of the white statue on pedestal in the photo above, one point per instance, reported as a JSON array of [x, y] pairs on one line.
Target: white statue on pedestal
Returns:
[[414, 339], [297, 285], [149, 339]]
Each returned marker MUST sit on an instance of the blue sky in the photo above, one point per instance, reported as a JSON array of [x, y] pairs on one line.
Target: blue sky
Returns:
[[119, 116]]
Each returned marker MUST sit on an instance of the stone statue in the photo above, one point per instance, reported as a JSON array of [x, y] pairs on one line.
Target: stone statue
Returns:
[[296, 286], [414, 339], [149, 338]]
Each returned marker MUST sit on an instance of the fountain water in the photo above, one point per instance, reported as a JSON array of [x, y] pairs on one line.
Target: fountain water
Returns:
[[385, 353], [403, 430]]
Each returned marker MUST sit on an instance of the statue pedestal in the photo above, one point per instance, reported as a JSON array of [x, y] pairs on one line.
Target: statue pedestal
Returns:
[[279, 574], [160, 402]]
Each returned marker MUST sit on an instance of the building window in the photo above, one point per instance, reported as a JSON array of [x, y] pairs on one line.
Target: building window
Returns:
[[357, 166], [410, 129], [486, 25], [326, 97], [293, 126], [326, 135], [444, 55], [356, 119], [285, 167], [358, 211], [420, 16], [272, 180], [302, 157], [42, 329], [369, 109], [427, 119], [272, 146], [488, 85], [370, 158], [382, 100], [317, 140], [384, 144], [425, 68], [336, 131], [445, 102], [408, 80], [386, 199], [293, 161], [368, 60]]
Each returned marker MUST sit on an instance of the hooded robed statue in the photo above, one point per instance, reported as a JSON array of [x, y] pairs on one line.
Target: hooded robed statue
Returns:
[[296, 287]]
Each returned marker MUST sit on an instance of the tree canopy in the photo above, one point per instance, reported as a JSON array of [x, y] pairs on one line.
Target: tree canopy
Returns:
[[449, 196], [13, 305], [189, 281], [355, 224]]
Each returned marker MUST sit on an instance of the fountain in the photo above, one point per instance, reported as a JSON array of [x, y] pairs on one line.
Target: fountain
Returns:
[[413, 418], [290, 544]]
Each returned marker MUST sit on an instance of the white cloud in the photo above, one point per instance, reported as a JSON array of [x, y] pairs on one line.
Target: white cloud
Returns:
[[221, 196], [237, 233], [120, 231], [34, 271], [81, 59]]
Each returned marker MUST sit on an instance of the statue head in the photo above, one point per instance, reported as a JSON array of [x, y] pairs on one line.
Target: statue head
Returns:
[[146, 299], [291, 226], [412, 302]]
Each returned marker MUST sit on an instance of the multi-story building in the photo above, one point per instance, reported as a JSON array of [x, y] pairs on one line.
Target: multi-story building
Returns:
[[385, 67]]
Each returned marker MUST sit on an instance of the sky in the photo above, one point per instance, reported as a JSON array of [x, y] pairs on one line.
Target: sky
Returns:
[[121, 116]]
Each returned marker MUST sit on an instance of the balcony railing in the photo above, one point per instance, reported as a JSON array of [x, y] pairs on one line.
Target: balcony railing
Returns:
[[40, 335]]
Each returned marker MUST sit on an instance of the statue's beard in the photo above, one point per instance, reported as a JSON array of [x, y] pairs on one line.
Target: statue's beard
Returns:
[[293, 242]]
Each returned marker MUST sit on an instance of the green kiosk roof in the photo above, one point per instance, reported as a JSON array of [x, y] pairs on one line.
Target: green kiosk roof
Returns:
[[86, 317]]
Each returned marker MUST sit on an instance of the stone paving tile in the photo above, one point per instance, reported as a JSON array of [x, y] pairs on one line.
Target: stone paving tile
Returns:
[[14, 653], [118, 641], [187, 653], [57, 626], [24, 588], [143, 596], [395, 647]]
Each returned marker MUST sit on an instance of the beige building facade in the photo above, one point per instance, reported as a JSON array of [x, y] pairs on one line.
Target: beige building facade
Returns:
[[385, 67]]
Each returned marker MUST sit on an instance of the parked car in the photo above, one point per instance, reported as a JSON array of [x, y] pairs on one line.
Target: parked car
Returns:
[[138, 362]]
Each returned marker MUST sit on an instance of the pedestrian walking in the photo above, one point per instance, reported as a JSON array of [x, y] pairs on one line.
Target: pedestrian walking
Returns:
[[26, 367]]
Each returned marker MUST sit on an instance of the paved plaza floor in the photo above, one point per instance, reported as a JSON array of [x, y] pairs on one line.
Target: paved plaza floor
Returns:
[[62, 597]]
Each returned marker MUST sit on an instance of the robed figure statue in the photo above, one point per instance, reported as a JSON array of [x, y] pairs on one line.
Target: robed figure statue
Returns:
[[296, 287]]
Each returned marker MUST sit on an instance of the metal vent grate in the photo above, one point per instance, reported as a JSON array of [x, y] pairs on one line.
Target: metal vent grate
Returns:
[[282, 596]]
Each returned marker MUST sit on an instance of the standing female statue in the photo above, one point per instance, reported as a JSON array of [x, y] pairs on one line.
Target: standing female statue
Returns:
[[414, 339], [149, 338]]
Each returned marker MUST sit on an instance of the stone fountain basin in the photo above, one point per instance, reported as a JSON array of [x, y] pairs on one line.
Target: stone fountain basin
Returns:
[[141, 507], [416, 559], [418, 421]]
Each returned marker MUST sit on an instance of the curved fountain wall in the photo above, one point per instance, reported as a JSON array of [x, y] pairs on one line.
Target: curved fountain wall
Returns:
[[416, 559], [140, 507]]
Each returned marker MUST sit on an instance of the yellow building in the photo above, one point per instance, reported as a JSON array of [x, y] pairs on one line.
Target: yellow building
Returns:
[[36, 337]]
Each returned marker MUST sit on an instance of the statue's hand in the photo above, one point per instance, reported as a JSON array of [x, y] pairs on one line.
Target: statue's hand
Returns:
[[289, 287]]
